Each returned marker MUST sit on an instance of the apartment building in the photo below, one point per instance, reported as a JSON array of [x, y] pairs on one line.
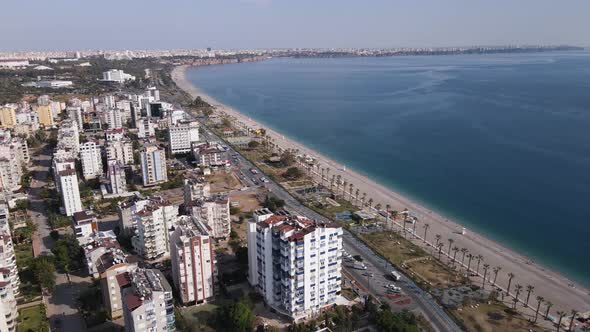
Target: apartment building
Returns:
[[116, 177], [295, 263], [117, 75], [152, 221], [182, 136], [7, 255], [67, 184], [214, 212], [208, 154], [45, 116], [114, 118], [14, 154], [68, 136], [75, 114], [7, 116], [91, 160], [120, 150], [115, 134], [193, 262], [8, 306], [145, 128], [147, 302], [195, 187], [85, 225], [153, 165]]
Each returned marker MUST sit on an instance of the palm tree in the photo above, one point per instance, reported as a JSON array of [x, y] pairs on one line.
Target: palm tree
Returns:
[[455, 250], [350, 189], [356, 196], [479, 258], [574, 313], [514, 302], [344, 186], [338, 178], [463, 252], [517, 289], [496, 270], [469, 256], [332, 180], [510, 276], [440, 246], [529, 290], [378, 207], [540, 300], [363, 199], [450, 244], [426, 226], [327, 173], [437, 237], [414, 228], [560, 314], [370, 203], [549, 305], [485, 272]]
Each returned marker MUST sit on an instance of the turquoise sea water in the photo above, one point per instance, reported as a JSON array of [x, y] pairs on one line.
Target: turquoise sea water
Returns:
[[499, 142]]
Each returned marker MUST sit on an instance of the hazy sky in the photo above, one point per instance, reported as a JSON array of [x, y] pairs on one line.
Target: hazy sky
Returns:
[[132, 24]]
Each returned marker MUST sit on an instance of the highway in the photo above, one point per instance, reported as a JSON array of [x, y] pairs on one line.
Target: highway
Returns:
[[420, 301]]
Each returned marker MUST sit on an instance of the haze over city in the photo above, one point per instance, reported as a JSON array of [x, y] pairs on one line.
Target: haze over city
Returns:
[[133, 24]]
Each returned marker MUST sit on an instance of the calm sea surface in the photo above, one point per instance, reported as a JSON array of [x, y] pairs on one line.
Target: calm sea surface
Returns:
[[499, 142]]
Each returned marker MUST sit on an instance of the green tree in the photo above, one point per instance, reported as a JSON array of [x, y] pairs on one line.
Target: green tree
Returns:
[[293, 173], [253, 144], [235, 316], [44, 272]]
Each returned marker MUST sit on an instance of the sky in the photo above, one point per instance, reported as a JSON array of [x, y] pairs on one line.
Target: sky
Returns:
[[222, 24]]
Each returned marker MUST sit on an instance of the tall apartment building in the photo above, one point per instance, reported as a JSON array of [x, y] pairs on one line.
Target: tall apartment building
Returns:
[[193, 263], [91, 160], [152, 222], [85, 226], [75, 114], [14, 154], [68, 136], [145, 128], [182, 136], [67, 183], [114, 118], [8, 306], [214, 212], [44, 115], [121, 151], [116, 177], [153, 165], [295, 263], [147, 303], [7, 116], [7, 255], [195, 187]]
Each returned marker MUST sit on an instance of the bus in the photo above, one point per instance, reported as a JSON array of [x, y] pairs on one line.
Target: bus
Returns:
[[395, 276]]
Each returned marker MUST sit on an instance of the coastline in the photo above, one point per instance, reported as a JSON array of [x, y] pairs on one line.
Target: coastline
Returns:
[[553, 286]]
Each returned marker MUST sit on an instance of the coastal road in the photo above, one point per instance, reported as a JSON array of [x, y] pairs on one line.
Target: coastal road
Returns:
[[61, 304], [380, 269]]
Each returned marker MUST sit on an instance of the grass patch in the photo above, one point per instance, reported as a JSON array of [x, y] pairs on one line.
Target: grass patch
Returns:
[[200, 317], [492, 317], [32, 319]]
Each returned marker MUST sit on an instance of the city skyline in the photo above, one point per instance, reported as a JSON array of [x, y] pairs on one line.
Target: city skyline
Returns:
[[279, 24]]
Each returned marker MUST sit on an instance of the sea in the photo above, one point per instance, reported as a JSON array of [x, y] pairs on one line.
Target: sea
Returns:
[[498, 142]]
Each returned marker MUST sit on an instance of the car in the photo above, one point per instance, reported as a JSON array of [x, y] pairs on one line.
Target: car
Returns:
[[368, 274]]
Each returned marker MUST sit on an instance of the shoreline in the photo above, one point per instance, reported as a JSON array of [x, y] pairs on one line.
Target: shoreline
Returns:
[[563, 292]]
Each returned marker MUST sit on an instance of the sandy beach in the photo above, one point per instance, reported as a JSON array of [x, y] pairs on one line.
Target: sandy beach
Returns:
[[564, 293]]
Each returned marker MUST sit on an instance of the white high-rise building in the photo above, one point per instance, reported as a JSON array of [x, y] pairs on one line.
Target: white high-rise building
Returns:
[[214, 212], [153, 165], [114, 118], [195, 187], [14, 154], [145, 128], [116, 176], [152, 222], [8, 306], [7, 255], [91, 160], [121, 151], [68, 136], [75, 114], [67, 184], [193, 261], [152, 92], [148, 304], [182, 136], [295, 263], [117, 75]]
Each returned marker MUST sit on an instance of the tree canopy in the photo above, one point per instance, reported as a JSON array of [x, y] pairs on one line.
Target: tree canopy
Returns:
[[235, 316]]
